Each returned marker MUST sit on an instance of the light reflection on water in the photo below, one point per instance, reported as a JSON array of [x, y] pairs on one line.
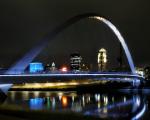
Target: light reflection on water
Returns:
[[103, 105]]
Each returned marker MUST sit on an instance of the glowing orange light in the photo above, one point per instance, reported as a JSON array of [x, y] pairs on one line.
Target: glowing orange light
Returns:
[[64, 69], [64, 101]]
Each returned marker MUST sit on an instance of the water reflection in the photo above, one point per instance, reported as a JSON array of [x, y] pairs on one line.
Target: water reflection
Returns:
[[36, 103], [2, 97], [103, 105], [64, 101]]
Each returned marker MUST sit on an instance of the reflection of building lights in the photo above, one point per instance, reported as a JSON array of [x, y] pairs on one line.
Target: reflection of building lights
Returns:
[[25, 95], [83, 101], [53, 103], [36, 94], [89, 98], [97, 97], [76, 107], [72, 98], [105, 100], [105, 110], [36, 103], [60, 94], [13, 93], [47, 94], [48, 103], [124, 99], [113, 99], [64, 101], [138, 101], [60, 97], [99, 104]]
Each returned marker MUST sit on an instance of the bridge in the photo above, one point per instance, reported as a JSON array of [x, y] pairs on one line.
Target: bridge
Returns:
[[11, 77], [54, 77]]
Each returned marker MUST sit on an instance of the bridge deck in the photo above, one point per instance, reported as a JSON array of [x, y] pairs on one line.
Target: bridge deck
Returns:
[[32, 78]]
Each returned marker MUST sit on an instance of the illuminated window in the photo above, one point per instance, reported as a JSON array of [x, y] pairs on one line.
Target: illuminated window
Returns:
[[36, 67]]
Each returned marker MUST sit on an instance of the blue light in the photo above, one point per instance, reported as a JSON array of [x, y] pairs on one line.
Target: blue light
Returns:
[[36, 103], [140, 114], [36, 67]]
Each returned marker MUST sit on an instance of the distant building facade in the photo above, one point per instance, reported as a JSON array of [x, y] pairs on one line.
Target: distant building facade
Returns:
[[53, 67], [102, 59], [84, 67], [147, 73], [75, 62], [140, 71], [36, 67]]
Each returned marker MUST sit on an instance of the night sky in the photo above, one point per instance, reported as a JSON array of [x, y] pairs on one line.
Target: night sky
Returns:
[[24, 22]]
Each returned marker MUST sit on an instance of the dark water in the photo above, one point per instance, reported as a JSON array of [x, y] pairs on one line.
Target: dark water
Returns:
[[118, 104]]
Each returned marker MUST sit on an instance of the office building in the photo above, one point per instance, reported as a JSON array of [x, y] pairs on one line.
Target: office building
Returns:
[[102, 59], [75, 62]]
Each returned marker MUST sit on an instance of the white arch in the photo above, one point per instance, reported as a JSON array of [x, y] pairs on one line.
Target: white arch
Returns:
[[121, 40], [26, 59]]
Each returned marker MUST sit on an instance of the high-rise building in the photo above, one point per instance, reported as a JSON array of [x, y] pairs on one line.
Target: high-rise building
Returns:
[[102, 59], [75, 62], [50, 67]]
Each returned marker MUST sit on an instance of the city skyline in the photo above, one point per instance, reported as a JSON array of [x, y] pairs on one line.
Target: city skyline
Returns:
[[76, 60], [29, 27]]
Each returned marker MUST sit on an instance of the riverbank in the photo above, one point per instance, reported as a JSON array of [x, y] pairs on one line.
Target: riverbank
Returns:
[[88, 87]]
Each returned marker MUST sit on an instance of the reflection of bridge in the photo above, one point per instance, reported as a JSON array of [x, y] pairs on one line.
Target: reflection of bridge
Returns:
[[100, 104], [138, 109]]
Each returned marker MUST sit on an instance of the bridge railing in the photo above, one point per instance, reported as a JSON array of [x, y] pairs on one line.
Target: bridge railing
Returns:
[[16, 71]]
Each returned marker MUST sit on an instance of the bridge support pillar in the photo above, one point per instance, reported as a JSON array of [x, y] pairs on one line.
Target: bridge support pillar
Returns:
[[5, 87], [136, 83]]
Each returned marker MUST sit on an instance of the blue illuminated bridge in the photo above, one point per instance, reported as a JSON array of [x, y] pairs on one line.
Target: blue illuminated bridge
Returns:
[[10, 76], [49, 77]]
